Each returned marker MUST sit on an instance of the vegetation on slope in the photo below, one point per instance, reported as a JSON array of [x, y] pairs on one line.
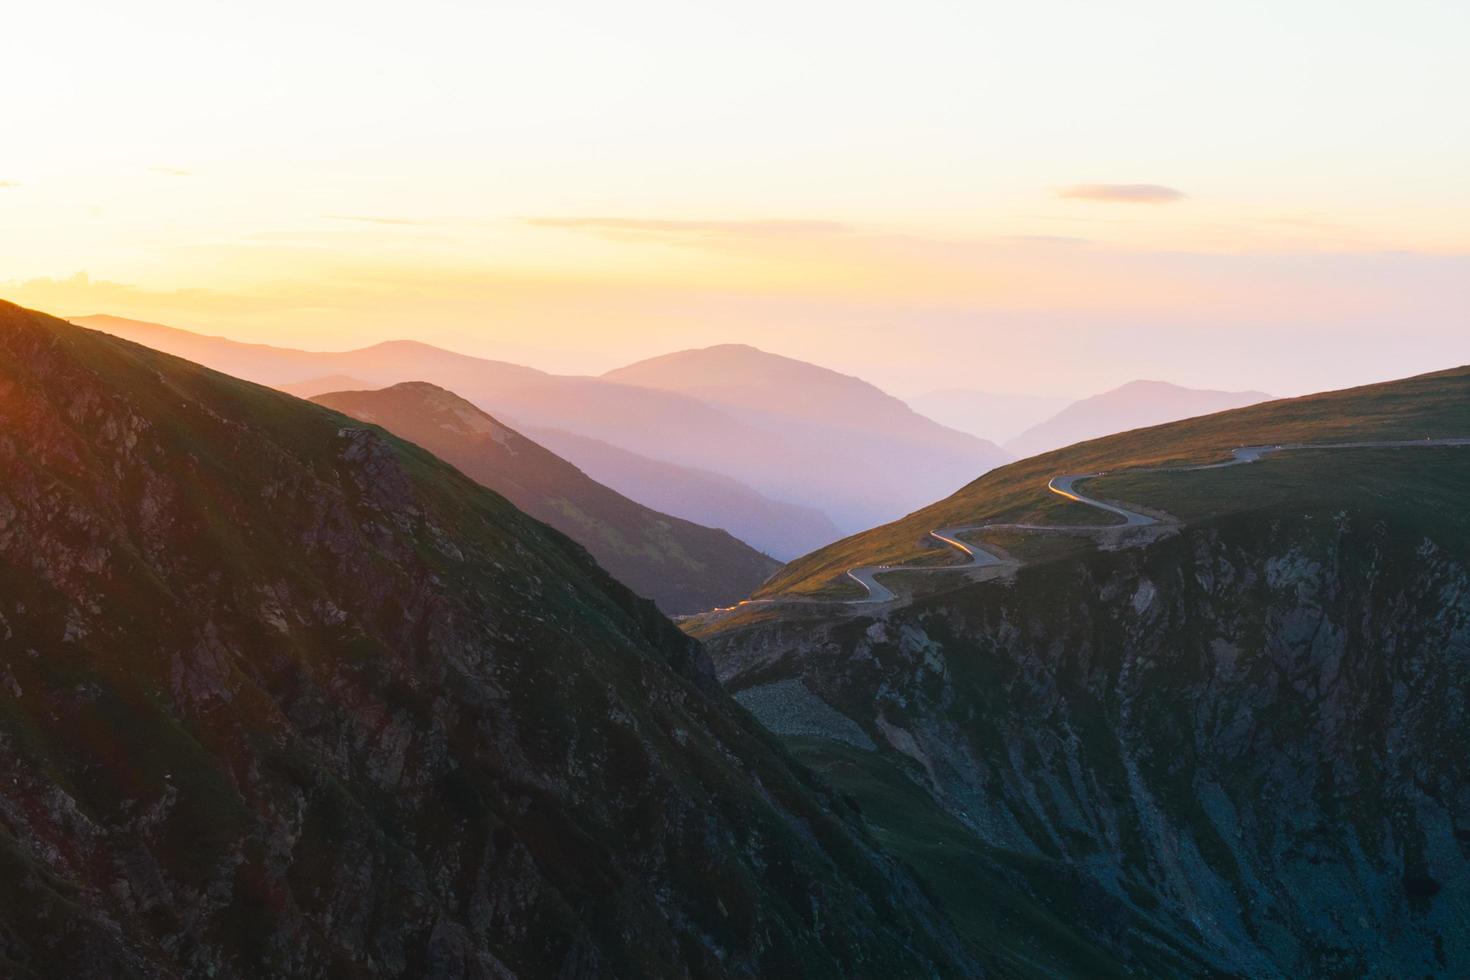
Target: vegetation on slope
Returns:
[[1429, 406]]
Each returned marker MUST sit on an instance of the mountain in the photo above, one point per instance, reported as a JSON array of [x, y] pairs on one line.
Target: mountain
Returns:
[[1214, 745], [763, 387], [859, 441], [986, 414], [781, 530], [1133, 406], [283, 695], [683, 567]]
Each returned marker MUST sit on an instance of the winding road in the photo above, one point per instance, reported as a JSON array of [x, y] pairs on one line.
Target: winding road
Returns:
[[1066, 486]]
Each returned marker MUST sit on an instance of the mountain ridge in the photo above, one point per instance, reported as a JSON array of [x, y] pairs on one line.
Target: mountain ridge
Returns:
[[683, 567]]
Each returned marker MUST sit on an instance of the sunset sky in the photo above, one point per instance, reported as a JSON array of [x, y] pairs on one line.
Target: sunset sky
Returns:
[[992, 195]]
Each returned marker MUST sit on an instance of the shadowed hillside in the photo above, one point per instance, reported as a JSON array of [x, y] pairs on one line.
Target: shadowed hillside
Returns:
[[282, 695]]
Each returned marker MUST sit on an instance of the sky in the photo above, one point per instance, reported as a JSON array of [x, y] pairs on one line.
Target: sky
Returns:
[[1048, 197]]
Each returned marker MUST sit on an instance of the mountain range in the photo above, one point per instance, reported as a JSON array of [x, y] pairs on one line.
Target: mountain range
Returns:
[[683, 567], [284, 695], [795, 432]]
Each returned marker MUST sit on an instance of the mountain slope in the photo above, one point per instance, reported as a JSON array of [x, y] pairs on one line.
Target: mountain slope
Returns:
[[1210, 747], [986, 414], [779, 529], [283, 695], [858, 442], [1415, 408], [1133, 406], [683, 567]]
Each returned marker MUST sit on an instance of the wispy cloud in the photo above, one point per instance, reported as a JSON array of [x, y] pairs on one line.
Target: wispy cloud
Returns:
[[773, 228], [9, 183], [172, 171], [1123, 193], [375, 219]]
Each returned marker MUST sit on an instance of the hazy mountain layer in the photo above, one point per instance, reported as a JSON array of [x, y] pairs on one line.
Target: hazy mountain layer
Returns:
[[988, 415], [781, 530], [683, 567], [861, 445], [843, 447]]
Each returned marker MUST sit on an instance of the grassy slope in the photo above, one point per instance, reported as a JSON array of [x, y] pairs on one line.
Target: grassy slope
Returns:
[[1013, 932], [1433, 405]]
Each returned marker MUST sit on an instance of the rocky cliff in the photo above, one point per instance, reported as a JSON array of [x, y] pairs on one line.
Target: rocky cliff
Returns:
[[1236, 749]]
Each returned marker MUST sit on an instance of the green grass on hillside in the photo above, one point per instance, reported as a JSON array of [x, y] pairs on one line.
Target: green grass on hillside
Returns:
[[1020, 934], [1432, 405]]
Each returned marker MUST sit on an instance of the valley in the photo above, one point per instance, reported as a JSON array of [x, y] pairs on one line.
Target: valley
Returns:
[[746, 491]]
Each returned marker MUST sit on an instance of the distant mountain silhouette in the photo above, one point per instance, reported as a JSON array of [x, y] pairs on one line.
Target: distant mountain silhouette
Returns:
[[682, 566], [793, 431], [986, 414], [861, 446], [1133, 406]]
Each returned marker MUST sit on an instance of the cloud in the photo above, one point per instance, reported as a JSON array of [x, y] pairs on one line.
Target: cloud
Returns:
[[1123, 193], [9, 183], [374, 219], [774, 228], [172, 171]]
